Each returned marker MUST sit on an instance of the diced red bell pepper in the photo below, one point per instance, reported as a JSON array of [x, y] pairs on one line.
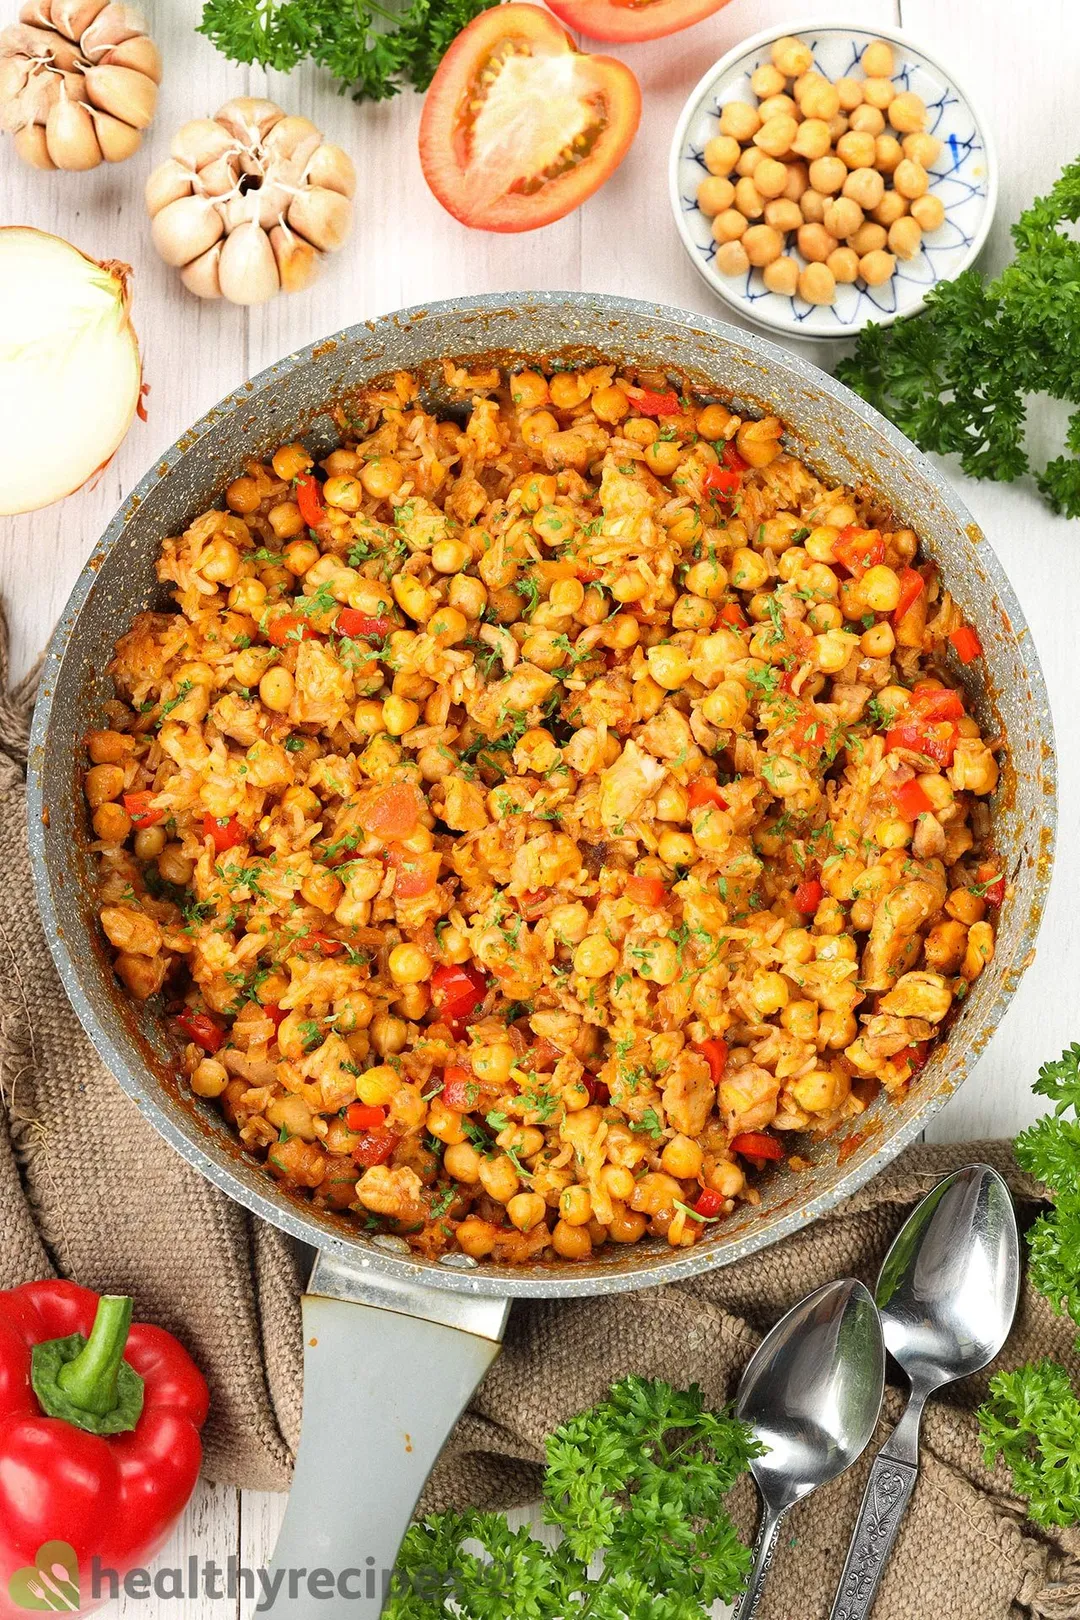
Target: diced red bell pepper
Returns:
[[912, 800], [757, 1145], [599, 1094], [704, 790], [912, 586], [732, 614], [309, 500], [646, 891], [722, 482], [276, 1014], [375, 1147], [932, 739], [732, 459], [649, 403], [288, 627], [456, 992], [138, 808], [532, 902], [460, 1090], [937, 702], [415, 874], [715, 1053], [325, 944], [364, 1117], [226, 834], [351, 622], [915, 1055], [586, 572], [966, 644], [993, 886], [807, 896], [709, 1204], [201, 1028], [858, 549]]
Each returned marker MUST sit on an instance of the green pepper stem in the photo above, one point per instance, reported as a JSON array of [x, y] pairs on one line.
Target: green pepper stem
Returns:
[[89, 1380]]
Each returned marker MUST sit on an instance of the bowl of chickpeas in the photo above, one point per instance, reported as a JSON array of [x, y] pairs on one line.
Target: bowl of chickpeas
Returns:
[[826, 181]]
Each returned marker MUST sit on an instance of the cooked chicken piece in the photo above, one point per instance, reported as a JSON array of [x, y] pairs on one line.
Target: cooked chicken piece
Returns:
[[688, 1092], [464, 807], [929, 838], [625, 786], [919, 995], [393, 1192], [899, 916], [747, 1096], [131, 931]]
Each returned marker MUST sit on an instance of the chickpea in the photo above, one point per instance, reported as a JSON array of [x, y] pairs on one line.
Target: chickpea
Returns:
[[928, 212], [758, 442], [243, 495], [111, 823], [714, 194], [526, 1210], [749, 571], [777, 134], [462, 1162], [770, 178], [879, 93], [782, 276], [844, 264], [905, 238], [769, 993], [878, 641], [877, 268], [663, 455], [827, 175], [907, 113], [881, 588], [728, 226], [149, 842], [399, 715], [498, 1178], [538, 427], [450, 556], [595, 957], [528, 390], [749, 160], [476, 1237], [869, 238], [611, 404], [867, 120], [575, 1206], [468, 595], [344, 492], [812, 140], [748, 200], [779, 106], [276, 690], [289, 461], [783, 215], [922, 148], [731, 259], [568, 389], [669, 665], [815, 244], [676, 848], [842, 217], [681, 1158], [658, 961], [820, 99], [865, 187], [388, 1036], [911, 179], [102, 784], [856, 149], [877, 59], [762, 245], [791, 56], [285, 520], [812, 206], [739, 120], [571, 1242], [891, 208]]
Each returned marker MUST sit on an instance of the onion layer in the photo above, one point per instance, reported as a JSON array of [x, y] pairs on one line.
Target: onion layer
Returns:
[[69, 367]]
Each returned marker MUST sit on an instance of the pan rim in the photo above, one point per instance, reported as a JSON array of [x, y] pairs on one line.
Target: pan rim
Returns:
[[488, 1281]]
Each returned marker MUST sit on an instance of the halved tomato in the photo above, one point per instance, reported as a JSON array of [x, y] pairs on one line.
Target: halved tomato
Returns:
[[629, 20], [519, 127]]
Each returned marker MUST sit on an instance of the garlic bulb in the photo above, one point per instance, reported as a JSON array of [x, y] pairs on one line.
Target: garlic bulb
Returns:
[[78, 82], [249, 202]]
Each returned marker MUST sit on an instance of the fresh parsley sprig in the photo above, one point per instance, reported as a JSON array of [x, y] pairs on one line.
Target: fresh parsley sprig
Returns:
[[1032, 1416], [373, 50], [641, 1479], [956, 378]]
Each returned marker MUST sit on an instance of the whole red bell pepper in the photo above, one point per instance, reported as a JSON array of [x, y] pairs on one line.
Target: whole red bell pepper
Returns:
[[99, 1442]]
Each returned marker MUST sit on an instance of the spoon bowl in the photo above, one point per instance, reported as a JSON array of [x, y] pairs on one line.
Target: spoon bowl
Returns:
[[811, 1392]]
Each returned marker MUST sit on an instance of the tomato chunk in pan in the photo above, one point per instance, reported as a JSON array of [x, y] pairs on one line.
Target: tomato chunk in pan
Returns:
[[519, 127]]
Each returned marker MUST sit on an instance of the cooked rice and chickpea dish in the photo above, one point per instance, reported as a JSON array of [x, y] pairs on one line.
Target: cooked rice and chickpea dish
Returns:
[[532, 825]]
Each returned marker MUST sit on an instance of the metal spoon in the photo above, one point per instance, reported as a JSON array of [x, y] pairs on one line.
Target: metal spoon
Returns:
[[812, 1392], [947, 1296]]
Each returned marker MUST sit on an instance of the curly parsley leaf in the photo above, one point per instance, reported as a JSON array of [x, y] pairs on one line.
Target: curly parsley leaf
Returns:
[[640, 1478], [1032, 1421], [373, 50], [956, 378]]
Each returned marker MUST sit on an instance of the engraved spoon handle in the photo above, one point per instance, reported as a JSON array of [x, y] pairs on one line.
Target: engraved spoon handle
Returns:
[[764, 1552], [887, 1493]]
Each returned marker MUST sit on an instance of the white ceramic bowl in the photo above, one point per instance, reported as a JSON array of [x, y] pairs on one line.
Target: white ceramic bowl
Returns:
[[964, 177]]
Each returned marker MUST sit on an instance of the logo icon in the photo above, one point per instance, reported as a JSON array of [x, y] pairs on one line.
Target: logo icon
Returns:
[[51, 1583]]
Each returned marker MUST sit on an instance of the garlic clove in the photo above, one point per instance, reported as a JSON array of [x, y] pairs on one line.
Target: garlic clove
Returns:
[[199, 142], [32, 147], [265, 204], [124, 93], [297, 261], [140, 54], [116, 139], [113, 24], [72, 17], [185, 228], [165, 184], [292, 139], [321, 216], [70, 137], [39, 44], [249, 118], [14, 78], [219, 177], [248, 271], [201, 275], [332, 167], [273, 200], [72, 85], [38, 13]]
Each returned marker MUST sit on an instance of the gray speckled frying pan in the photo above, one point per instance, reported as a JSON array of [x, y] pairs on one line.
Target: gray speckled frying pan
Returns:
[[394, 1344]]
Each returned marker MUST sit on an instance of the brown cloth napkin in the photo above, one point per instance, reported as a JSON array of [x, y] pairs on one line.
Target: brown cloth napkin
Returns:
[[87, 1189]]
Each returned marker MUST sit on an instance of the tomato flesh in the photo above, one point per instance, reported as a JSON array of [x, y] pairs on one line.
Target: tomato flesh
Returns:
[[757, 1145], [627, 20], [519, 127], [201, 1028], [715, 1053], [139, 809], [807, 897], [225, 834], [912, 800], [646, 891]]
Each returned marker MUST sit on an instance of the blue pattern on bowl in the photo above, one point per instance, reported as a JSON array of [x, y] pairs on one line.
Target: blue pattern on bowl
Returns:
[[960, 177]]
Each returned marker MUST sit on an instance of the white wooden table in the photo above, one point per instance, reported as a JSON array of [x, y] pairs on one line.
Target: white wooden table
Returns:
[[1020, 62]]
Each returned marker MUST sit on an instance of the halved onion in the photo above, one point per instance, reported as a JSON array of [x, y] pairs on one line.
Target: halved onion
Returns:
[[69, 367]]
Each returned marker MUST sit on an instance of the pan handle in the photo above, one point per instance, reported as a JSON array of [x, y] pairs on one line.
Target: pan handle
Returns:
[[388, 1368]]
